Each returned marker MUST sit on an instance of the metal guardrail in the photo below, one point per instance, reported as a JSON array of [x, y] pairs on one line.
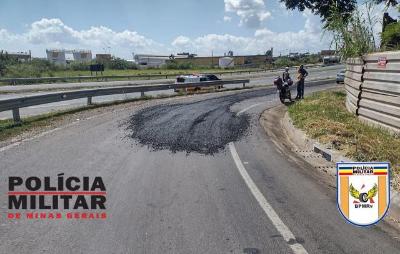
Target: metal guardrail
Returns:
[[378, 100], [17, 103]]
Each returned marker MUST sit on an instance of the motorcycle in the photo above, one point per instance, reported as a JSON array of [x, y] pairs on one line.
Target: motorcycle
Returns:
[[284, 89]]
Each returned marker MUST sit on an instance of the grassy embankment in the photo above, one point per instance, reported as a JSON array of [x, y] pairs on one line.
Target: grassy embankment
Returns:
[[116, 73], [323, 116], [71, 73]]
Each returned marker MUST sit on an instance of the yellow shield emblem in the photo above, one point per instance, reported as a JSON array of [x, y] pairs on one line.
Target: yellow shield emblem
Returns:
[[363, 191]]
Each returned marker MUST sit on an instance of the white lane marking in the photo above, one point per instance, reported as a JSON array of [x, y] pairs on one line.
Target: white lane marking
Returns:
[[287, 235], [248, 108]]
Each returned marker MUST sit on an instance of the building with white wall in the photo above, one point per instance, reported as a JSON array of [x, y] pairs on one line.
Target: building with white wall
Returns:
[[58, 56], [150, 60]]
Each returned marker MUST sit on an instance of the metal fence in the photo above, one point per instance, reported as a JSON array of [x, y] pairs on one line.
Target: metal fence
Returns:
[[373, 89]]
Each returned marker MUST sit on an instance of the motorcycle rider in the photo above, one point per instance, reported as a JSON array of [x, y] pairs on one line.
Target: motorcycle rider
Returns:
[[300, 83], [287, 80], [286, 75]]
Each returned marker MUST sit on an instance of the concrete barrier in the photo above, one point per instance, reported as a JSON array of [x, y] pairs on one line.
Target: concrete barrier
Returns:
[[374, 80], [352, 83]]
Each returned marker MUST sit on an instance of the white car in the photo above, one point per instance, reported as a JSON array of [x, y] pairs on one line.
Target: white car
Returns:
[[187, 79], [340, 76]]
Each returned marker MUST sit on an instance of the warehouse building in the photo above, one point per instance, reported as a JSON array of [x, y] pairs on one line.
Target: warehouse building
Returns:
[[19, 56]]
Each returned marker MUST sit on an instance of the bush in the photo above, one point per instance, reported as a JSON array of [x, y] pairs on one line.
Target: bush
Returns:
[[34, 68], [120, 64], [173, 65], [391, 37], [76, 66], [354, 36]]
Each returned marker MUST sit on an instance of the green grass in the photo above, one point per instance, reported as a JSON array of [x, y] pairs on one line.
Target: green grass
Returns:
[[70, 73], [323, 116]]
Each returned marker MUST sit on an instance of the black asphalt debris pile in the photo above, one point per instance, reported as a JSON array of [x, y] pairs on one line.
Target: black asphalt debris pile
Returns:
[[205, 126]]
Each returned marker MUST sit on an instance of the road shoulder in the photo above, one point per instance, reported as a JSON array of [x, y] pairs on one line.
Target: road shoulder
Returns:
[[294, 142]]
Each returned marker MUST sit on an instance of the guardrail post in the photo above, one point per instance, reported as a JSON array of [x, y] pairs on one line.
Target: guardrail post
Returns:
[[16, 116], [89, 101], [244, 85], [142, 94]]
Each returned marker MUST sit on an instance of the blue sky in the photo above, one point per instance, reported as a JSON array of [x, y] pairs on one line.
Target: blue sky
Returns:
[[157, 26]]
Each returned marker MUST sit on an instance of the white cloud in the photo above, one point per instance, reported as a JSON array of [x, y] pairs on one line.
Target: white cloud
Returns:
[[307, 39], [53, 33], [251, 12]]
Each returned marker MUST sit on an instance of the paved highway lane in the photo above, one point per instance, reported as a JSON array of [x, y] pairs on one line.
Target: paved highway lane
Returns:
[[259, 80], [80, 85], [187, 201]]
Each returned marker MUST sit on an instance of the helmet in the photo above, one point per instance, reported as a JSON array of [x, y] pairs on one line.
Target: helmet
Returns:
[[287, 69]]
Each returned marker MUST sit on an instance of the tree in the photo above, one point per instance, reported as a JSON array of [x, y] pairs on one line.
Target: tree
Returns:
[[387, 2], [352, 37], [323, 7]]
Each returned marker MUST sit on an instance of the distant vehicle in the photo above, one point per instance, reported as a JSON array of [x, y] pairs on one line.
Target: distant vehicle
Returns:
[[330, 60], [187, 79], [340, 76]]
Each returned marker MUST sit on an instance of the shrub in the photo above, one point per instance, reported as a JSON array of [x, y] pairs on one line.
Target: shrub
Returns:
[[34, 68], [173, 65], [120, 64], [391, 37], [77, 66], [354, 36]]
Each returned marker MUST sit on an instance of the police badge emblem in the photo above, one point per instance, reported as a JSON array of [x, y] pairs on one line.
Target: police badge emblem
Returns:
[[363, 191]]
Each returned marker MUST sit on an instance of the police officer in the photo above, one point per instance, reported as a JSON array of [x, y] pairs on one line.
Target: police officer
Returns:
[[300, 83]]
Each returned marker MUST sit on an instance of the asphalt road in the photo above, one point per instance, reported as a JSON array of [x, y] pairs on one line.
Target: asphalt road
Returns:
[[261, 79], [171, 188]]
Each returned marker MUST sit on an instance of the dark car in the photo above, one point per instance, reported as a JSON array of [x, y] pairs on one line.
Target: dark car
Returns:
[[212, 77]]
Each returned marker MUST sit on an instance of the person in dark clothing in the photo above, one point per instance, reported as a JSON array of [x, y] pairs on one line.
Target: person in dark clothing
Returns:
[[286, 75], [300, 83]]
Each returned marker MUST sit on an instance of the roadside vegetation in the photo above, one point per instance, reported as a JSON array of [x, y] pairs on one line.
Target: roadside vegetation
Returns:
[[352, 36], [391, 36], [323, 116], [36, 68]]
